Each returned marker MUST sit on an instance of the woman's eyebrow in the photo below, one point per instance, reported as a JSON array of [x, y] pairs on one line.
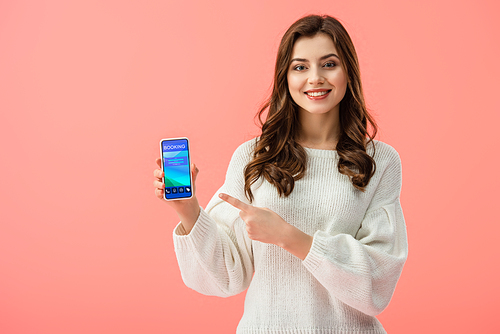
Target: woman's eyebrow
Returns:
[[322, 58]]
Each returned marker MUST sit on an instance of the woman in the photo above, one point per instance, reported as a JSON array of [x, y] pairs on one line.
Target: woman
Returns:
[[309, 217]]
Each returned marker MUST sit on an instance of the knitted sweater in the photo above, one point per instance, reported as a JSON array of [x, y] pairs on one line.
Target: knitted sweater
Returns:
[[350, 273]]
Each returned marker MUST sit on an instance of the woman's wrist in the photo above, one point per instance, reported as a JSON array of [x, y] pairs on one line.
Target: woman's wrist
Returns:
[[188, 213], [296, 242]]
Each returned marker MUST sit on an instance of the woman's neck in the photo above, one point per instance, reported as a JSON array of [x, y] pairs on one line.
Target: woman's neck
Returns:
[[320, 131]]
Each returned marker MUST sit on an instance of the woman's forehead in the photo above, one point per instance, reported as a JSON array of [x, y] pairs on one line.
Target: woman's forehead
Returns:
[[313, 46]]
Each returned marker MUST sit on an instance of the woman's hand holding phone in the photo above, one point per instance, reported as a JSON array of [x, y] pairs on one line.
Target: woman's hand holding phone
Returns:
[[188, 209]]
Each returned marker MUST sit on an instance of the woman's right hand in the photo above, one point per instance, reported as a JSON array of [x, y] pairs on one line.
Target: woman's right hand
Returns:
[[188, 210]]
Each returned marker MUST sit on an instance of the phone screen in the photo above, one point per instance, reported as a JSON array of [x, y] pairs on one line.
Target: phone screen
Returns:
[[177, 168]]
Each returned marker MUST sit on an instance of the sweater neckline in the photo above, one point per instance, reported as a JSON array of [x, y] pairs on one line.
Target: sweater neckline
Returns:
[[316, 152]]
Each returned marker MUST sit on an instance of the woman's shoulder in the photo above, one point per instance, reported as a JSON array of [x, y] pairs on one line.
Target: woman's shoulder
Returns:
[[246, 148], [383, 153], [244, 152], [248, 145], [388, 170]]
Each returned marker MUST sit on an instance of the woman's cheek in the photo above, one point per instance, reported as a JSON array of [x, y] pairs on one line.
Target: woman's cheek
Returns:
[[294, 86]]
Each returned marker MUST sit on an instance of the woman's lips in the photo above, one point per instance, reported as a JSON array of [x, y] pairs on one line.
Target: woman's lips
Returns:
[[317, 94]]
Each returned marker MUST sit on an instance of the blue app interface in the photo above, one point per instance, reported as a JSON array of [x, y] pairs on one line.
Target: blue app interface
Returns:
[[177, 168]]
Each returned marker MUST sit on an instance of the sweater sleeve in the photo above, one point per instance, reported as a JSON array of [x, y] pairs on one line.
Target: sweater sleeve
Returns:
[[362, 271], [215, 258]]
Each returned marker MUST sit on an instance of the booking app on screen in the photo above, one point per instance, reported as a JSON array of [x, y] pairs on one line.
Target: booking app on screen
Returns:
[[176, 168]]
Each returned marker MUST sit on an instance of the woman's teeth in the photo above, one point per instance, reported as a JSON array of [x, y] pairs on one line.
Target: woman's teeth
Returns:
[[317, 93]]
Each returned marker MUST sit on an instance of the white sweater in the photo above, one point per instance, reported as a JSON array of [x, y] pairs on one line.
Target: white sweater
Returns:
[[348, 277]]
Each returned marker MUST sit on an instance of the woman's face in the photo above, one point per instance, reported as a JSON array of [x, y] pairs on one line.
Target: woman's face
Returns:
[[316, 79]]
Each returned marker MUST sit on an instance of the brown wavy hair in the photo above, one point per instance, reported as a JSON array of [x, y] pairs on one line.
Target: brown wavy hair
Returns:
[[277, 156]]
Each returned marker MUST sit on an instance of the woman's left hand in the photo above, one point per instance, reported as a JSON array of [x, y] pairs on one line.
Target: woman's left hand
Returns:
[[262, 224]]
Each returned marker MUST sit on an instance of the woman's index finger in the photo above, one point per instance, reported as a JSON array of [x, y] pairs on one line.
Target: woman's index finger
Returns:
[[235, 202]]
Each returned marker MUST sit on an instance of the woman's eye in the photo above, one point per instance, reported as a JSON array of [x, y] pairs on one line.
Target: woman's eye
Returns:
[[299, 68], [330, 64]]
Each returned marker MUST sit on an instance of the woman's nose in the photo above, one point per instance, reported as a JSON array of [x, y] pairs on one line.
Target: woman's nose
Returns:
[[316, 77]]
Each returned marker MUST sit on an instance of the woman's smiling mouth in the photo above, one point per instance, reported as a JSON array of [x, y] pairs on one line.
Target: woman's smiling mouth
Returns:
[[317, 94]]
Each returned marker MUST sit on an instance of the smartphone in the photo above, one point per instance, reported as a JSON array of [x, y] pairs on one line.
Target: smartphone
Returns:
[[176, 164]]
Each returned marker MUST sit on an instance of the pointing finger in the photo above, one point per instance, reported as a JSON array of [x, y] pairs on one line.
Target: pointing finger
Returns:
[[235, 202]]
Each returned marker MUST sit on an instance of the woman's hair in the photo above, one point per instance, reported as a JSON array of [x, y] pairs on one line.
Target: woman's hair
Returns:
[[277, 156]]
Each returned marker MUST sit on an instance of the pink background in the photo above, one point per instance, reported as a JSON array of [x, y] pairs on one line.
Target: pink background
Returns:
[[88, 88]]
